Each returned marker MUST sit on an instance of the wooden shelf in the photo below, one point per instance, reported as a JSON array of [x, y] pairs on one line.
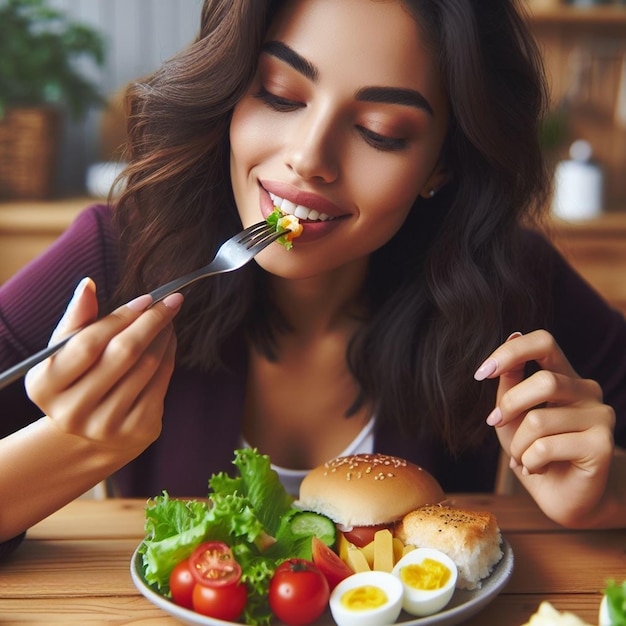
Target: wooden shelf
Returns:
[[27, 228], [567, 14], [596, 248], [40, 216]]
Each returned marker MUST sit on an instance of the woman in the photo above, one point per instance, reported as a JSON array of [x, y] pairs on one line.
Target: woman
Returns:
[[412, 125]]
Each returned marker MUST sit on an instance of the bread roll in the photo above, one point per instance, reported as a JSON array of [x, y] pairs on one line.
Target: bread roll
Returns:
[[470, 538]]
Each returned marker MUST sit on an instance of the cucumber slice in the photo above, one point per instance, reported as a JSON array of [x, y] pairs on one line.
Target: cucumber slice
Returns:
[[309, 524]]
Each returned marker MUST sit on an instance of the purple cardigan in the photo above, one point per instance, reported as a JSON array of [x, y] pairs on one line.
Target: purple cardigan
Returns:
[[202, 420]]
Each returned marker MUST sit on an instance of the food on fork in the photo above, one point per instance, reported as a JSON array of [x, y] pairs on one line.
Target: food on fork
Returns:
[[285, 221], [470, 538]]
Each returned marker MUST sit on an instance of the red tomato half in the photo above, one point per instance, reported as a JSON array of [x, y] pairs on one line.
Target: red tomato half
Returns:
[[213, 564], [182, 582], [225, 602], [360, 536], [329, 563], [298, 592]]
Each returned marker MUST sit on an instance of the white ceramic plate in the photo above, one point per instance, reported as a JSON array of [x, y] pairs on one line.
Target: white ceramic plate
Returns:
[[463, 605]]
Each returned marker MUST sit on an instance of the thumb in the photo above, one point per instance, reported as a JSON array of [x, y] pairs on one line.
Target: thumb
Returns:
[[81, 310]]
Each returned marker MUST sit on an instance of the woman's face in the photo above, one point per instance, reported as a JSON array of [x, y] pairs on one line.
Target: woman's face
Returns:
[[345, 118]]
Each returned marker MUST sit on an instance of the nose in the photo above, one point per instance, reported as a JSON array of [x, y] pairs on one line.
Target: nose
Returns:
[[313, 148]]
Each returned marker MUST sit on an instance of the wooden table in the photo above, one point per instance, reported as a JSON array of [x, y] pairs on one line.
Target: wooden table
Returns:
[[74, 566]]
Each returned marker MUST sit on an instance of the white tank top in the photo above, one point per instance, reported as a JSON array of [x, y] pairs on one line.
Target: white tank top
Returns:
[[363, 443]]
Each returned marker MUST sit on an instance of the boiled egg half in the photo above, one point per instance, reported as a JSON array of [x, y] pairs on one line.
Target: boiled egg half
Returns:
[[428, 577], [367, 599]]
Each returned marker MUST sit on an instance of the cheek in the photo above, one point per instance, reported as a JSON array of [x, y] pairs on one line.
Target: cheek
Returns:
[[252, 128], [391, 191], [240, 127]]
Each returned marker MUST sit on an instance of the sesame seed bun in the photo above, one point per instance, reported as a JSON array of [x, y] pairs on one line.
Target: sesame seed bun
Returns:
[[368, 489]]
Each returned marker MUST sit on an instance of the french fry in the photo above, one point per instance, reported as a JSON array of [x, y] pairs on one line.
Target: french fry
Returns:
[[383, 550], [368, 552], [398, 550], [356, 560], [343, 545], [407, 548]]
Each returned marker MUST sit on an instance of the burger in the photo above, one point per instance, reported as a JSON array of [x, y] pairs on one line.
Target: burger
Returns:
[[363, 493]]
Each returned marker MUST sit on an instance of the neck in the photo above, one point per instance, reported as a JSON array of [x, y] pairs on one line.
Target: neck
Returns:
[[321, 304]]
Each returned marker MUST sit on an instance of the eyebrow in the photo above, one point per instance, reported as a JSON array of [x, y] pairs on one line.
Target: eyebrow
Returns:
[[291, 57], [384, 95], [395, 95]]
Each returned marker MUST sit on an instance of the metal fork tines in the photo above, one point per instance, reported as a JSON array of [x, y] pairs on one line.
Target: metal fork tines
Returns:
[[231, 255]]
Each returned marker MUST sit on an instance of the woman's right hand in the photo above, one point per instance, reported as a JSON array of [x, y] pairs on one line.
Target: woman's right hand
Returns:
[[107, 384]]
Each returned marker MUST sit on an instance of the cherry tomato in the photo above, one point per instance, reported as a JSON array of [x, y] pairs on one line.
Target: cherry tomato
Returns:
[[360, 536], [225, 602], [212, 563], [182, 582], [298, 592], [329, 563]]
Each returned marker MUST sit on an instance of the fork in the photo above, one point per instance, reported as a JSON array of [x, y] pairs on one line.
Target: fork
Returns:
[[233, 254]]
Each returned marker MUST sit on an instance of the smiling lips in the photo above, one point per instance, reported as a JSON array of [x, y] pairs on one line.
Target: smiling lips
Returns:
[[299, 211]]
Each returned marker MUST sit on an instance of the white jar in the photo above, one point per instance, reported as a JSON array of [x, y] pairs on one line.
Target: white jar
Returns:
[[578, 185]]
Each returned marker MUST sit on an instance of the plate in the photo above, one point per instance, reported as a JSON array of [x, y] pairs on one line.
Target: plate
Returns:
[[463, 605]]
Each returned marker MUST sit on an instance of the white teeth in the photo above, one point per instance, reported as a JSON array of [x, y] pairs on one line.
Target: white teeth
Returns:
[[289, 207], [301, 212]]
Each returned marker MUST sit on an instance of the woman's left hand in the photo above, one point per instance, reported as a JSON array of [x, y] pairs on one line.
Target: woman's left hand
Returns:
[[553, 425]]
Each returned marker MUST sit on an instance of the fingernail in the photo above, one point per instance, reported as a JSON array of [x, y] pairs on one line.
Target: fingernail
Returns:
[[78, 292], [495, 417], [514, 335], [80, 288], [513, 463], [140, 304], [525, 471], [486, 369], [173, 301]]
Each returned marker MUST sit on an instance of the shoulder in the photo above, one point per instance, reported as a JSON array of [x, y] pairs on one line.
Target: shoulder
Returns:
[[95, 220], [91, 245], [87, 248]]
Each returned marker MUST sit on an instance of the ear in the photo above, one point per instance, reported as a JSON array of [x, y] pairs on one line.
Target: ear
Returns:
[[440, 177]]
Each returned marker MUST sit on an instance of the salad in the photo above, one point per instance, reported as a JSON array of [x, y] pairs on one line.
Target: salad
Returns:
[[283, 221], [248, 523], [616, 603]]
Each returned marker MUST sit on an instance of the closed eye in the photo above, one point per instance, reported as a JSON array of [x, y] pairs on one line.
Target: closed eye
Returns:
[[277, 103], [381, 142]]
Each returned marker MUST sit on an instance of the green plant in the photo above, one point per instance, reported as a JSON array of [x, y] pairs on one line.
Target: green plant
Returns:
[[40, 49], [554, 128]]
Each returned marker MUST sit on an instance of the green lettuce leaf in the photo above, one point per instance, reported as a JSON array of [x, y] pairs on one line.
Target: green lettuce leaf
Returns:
[[272, 220], [616, 599], [248, 512]]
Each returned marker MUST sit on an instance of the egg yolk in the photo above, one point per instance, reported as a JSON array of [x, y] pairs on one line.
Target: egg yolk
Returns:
[[364, 598], [292, 224], [427, 575]]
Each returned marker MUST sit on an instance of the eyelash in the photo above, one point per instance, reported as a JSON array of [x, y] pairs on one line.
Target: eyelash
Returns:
[[381, 142], [282, 105], [375, 140]]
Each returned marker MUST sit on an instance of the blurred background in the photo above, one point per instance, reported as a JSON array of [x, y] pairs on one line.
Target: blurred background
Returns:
[[137, 36], [63, 64]]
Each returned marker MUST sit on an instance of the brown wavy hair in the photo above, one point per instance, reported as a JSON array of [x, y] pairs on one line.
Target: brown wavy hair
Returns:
[[447, 289]]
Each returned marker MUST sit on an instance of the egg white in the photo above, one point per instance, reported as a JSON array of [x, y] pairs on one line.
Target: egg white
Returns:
[[421, 602], [386, 614]]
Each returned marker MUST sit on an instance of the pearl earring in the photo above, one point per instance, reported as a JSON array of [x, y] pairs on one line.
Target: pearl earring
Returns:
[[431, 193]]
